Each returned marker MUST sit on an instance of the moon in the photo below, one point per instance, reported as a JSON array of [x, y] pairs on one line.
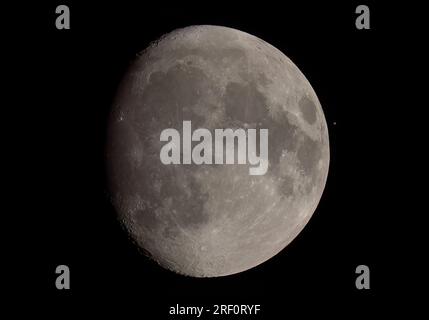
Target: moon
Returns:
[[215, 220]]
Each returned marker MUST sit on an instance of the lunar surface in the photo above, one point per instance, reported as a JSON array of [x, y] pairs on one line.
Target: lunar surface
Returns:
[[215, 220]]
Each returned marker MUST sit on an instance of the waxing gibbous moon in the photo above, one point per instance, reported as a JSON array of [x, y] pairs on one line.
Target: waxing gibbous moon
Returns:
[[215, 220]]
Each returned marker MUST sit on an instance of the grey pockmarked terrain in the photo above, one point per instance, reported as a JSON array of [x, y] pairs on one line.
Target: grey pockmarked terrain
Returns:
[[215, 220]]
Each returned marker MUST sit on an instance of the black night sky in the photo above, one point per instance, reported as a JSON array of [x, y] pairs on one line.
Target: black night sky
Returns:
[[74, 75]]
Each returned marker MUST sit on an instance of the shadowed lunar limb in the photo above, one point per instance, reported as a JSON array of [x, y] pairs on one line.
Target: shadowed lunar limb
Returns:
[[215, 220]]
